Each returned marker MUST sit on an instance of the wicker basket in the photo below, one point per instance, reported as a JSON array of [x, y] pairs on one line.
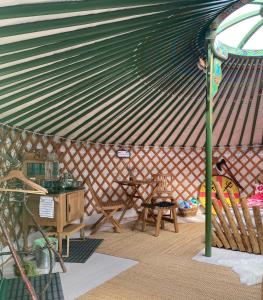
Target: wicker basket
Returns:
[[188, 212]]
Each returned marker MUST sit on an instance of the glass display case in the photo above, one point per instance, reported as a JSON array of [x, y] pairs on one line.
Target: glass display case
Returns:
[[39, 168]]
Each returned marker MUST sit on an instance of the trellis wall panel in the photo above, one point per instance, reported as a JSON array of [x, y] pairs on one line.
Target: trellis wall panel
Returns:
[[101, 164]]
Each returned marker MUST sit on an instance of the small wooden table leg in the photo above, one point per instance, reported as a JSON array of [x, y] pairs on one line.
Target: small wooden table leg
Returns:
[[82, 230], [173, 210], [162, 224], [82, 233], [67, 246], [145, 215], [25, 237], [60, 243], [140, 215]]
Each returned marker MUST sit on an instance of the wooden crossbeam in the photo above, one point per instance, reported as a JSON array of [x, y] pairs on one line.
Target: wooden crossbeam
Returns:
[[259, 226], [224, 225], [250, 227], [240, 222], [230, 218]]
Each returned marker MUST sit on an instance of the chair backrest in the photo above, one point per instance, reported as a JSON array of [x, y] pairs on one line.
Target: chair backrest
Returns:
[[94, 195], [166, 182], [260, 178]]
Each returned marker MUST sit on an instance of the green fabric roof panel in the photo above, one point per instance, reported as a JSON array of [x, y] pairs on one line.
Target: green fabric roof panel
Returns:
[[121, 72]]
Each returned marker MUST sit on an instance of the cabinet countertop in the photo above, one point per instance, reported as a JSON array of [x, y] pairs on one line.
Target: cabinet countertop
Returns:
[[56, 192]]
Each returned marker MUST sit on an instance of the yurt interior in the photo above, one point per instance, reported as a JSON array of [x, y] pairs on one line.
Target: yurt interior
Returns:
[[131, 149]]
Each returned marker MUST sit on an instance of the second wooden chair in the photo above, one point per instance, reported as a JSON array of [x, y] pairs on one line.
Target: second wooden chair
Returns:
[[107, 209]]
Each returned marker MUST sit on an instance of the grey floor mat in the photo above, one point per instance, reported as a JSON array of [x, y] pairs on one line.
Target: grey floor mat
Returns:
[[14, 288], [80, 249]]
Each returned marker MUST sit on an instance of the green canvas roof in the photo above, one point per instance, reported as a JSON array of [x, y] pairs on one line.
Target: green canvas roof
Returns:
[[122, 72]]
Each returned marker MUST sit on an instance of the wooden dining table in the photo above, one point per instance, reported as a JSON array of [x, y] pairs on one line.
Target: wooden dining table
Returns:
[[135, 197]]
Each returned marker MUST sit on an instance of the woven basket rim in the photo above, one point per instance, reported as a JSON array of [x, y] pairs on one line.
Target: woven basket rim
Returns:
[[189, 209], [188, 212]]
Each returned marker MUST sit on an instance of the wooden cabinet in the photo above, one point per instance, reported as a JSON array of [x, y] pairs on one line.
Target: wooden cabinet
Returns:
[[68, 208]]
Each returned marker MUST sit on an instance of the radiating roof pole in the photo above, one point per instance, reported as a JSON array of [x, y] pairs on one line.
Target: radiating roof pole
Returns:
[[216, 53]]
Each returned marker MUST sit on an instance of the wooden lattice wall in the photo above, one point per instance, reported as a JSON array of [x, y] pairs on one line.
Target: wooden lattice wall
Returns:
[[103, 166]]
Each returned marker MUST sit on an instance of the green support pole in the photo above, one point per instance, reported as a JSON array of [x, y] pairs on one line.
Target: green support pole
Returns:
[[208, 173]]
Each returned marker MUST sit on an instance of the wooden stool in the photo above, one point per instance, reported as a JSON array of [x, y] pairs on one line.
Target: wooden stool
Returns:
[[67, 232], [161, 207]]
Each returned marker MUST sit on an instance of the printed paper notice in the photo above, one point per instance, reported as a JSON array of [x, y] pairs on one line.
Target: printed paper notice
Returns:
[[46, 207]]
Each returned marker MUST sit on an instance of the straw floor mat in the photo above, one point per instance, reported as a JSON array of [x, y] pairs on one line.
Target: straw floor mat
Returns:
[[166, 270]]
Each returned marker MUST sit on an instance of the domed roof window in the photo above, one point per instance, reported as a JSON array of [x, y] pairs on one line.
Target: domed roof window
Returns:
[[242, 31]]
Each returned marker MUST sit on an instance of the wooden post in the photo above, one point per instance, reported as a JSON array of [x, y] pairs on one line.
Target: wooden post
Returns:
[[208, 150]]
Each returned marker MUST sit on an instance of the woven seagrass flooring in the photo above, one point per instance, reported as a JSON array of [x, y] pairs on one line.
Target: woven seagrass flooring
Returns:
[[166, 269]]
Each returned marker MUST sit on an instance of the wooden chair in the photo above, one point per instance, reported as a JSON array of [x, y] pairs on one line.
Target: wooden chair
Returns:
[[107, 209], [162, 201], [165, 190]]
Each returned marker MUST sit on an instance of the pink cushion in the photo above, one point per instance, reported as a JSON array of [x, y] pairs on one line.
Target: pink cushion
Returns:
[[255, 200], [258, 189]]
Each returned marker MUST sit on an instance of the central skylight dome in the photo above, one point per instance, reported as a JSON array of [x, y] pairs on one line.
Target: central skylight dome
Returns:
[[242, 31]]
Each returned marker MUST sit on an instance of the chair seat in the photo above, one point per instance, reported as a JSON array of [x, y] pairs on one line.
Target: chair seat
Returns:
[[112, 204], [165, 204], [159, 204]]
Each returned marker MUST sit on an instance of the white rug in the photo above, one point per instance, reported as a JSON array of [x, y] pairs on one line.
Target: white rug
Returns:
[[248, 266], [81, 278]]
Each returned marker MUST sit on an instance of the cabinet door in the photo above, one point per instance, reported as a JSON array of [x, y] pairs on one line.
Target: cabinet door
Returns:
[[33, 205], [75, 205]]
